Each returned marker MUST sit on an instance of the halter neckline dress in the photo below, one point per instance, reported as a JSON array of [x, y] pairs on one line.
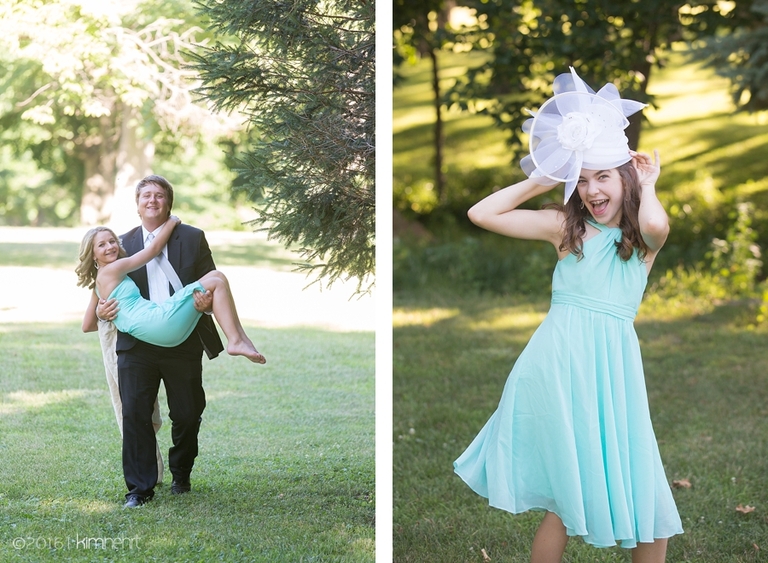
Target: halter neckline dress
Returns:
[[572, 433]]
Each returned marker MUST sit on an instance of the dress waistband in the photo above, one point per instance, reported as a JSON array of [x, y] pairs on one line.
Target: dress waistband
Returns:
[[614, 309]]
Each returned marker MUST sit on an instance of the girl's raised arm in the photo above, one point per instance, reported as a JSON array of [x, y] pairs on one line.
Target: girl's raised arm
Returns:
[[128, 264], [499, 213], [652, 217]]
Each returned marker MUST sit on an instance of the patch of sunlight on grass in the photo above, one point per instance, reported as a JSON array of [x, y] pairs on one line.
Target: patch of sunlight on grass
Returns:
[[752, 187], [421, 317], [363, 547], [216, 395], [695, 103], [403, 121], [686, 91], [504, 319], [655, 308], [19, 401], [84, 505]]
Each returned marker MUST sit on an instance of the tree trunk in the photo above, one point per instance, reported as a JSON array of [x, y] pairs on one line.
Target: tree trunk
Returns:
[[133, 162], [439, 140], [635, 126], [643, 66], [115, 160], [98, 153]]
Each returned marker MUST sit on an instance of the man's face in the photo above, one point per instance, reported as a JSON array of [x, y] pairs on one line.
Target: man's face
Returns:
[[153, 205]]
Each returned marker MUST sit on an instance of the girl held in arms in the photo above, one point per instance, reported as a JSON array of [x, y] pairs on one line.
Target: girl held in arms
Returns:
[[104, 264], [572, 434]]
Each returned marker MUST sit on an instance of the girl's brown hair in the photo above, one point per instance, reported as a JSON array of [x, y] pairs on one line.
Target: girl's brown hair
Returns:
[[86, 270], [574, 227]]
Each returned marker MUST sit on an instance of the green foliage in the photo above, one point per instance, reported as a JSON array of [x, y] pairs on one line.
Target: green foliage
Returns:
[[623, 43], [75, 77], [736, 260], [618, 42], [711, 160], [303, 73], [731, 272], [742, 57], [475, 264]]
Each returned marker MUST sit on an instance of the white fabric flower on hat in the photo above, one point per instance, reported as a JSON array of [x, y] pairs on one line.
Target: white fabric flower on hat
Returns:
[[577, 128], [577, 132]]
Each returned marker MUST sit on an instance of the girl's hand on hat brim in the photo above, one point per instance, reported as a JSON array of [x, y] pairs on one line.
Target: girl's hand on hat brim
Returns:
[[647, 170]]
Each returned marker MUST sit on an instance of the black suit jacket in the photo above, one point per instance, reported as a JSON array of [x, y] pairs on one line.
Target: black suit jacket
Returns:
[[190, 256]]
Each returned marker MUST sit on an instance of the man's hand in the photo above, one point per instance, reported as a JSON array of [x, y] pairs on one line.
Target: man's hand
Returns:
[[203, 301], [107, 310]]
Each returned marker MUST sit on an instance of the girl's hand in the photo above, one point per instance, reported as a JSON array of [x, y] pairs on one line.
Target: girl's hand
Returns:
[[647, 171], [175, 219]]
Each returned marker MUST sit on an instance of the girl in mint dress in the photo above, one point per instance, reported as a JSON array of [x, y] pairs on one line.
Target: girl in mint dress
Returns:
[[572, 434], [104, 267]]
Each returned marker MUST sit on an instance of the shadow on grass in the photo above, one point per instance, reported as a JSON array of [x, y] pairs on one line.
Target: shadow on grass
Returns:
[[707, 379]]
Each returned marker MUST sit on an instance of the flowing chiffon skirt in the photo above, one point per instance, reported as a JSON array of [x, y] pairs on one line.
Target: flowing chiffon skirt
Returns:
[[572, 433]]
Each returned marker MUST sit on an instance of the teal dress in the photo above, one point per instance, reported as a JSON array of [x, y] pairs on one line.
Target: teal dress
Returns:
[[572, 433], [167, 324]]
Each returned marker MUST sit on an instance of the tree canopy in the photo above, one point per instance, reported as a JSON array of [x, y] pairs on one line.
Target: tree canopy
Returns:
[[522, 46], [605, 41], [303, 74], [90, 89], [742, 57]]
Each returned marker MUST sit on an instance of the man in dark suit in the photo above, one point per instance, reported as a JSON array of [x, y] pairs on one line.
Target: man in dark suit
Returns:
[[141, 366]]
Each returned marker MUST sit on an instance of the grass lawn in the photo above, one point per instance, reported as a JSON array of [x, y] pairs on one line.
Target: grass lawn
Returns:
[[707, 378], [286, 465]]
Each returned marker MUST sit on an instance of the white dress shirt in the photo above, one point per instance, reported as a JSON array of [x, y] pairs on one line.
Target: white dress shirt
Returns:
[[157, 280]]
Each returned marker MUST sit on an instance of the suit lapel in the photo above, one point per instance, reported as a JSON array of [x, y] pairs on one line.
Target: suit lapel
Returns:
[[174, 251]]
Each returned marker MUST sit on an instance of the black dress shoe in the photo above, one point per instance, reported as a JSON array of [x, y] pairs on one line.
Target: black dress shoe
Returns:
[[135, 501], [180, 486]]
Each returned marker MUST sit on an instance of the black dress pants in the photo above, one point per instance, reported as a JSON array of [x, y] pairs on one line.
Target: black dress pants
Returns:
[[140, 371]]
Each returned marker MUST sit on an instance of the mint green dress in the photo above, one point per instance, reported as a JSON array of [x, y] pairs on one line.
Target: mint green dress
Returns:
[[572, 433], [166, 324]]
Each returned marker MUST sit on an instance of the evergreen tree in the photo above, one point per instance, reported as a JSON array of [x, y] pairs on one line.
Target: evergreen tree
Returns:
[[742, 57], [303, 73]]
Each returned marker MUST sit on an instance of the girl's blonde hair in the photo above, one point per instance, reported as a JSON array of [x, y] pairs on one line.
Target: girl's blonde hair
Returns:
[[86, 269], [575, 216]]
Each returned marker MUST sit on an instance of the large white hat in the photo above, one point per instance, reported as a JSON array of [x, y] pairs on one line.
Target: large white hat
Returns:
[[577, 128]]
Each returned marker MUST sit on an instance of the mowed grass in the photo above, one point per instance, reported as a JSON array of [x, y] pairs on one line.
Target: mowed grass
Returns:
[[707, 378], [286, 468], [286, 464]]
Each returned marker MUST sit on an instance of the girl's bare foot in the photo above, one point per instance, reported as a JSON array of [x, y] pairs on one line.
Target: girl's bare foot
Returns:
[[243, 349]]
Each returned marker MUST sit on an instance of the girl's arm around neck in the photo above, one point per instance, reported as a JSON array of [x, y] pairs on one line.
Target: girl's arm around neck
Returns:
[[121, 267], [499, 213]]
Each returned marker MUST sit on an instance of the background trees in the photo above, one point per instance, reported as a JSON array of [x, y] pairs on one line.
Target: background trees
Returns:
[[90, 91], [619, 42], [505, 62], [303, 73], [742, 57], [524, 45], [95, 95]]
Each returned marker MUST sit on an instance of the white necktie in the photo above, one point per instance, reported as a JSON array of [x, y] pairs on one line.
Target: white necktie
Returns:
[[166, 267]]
